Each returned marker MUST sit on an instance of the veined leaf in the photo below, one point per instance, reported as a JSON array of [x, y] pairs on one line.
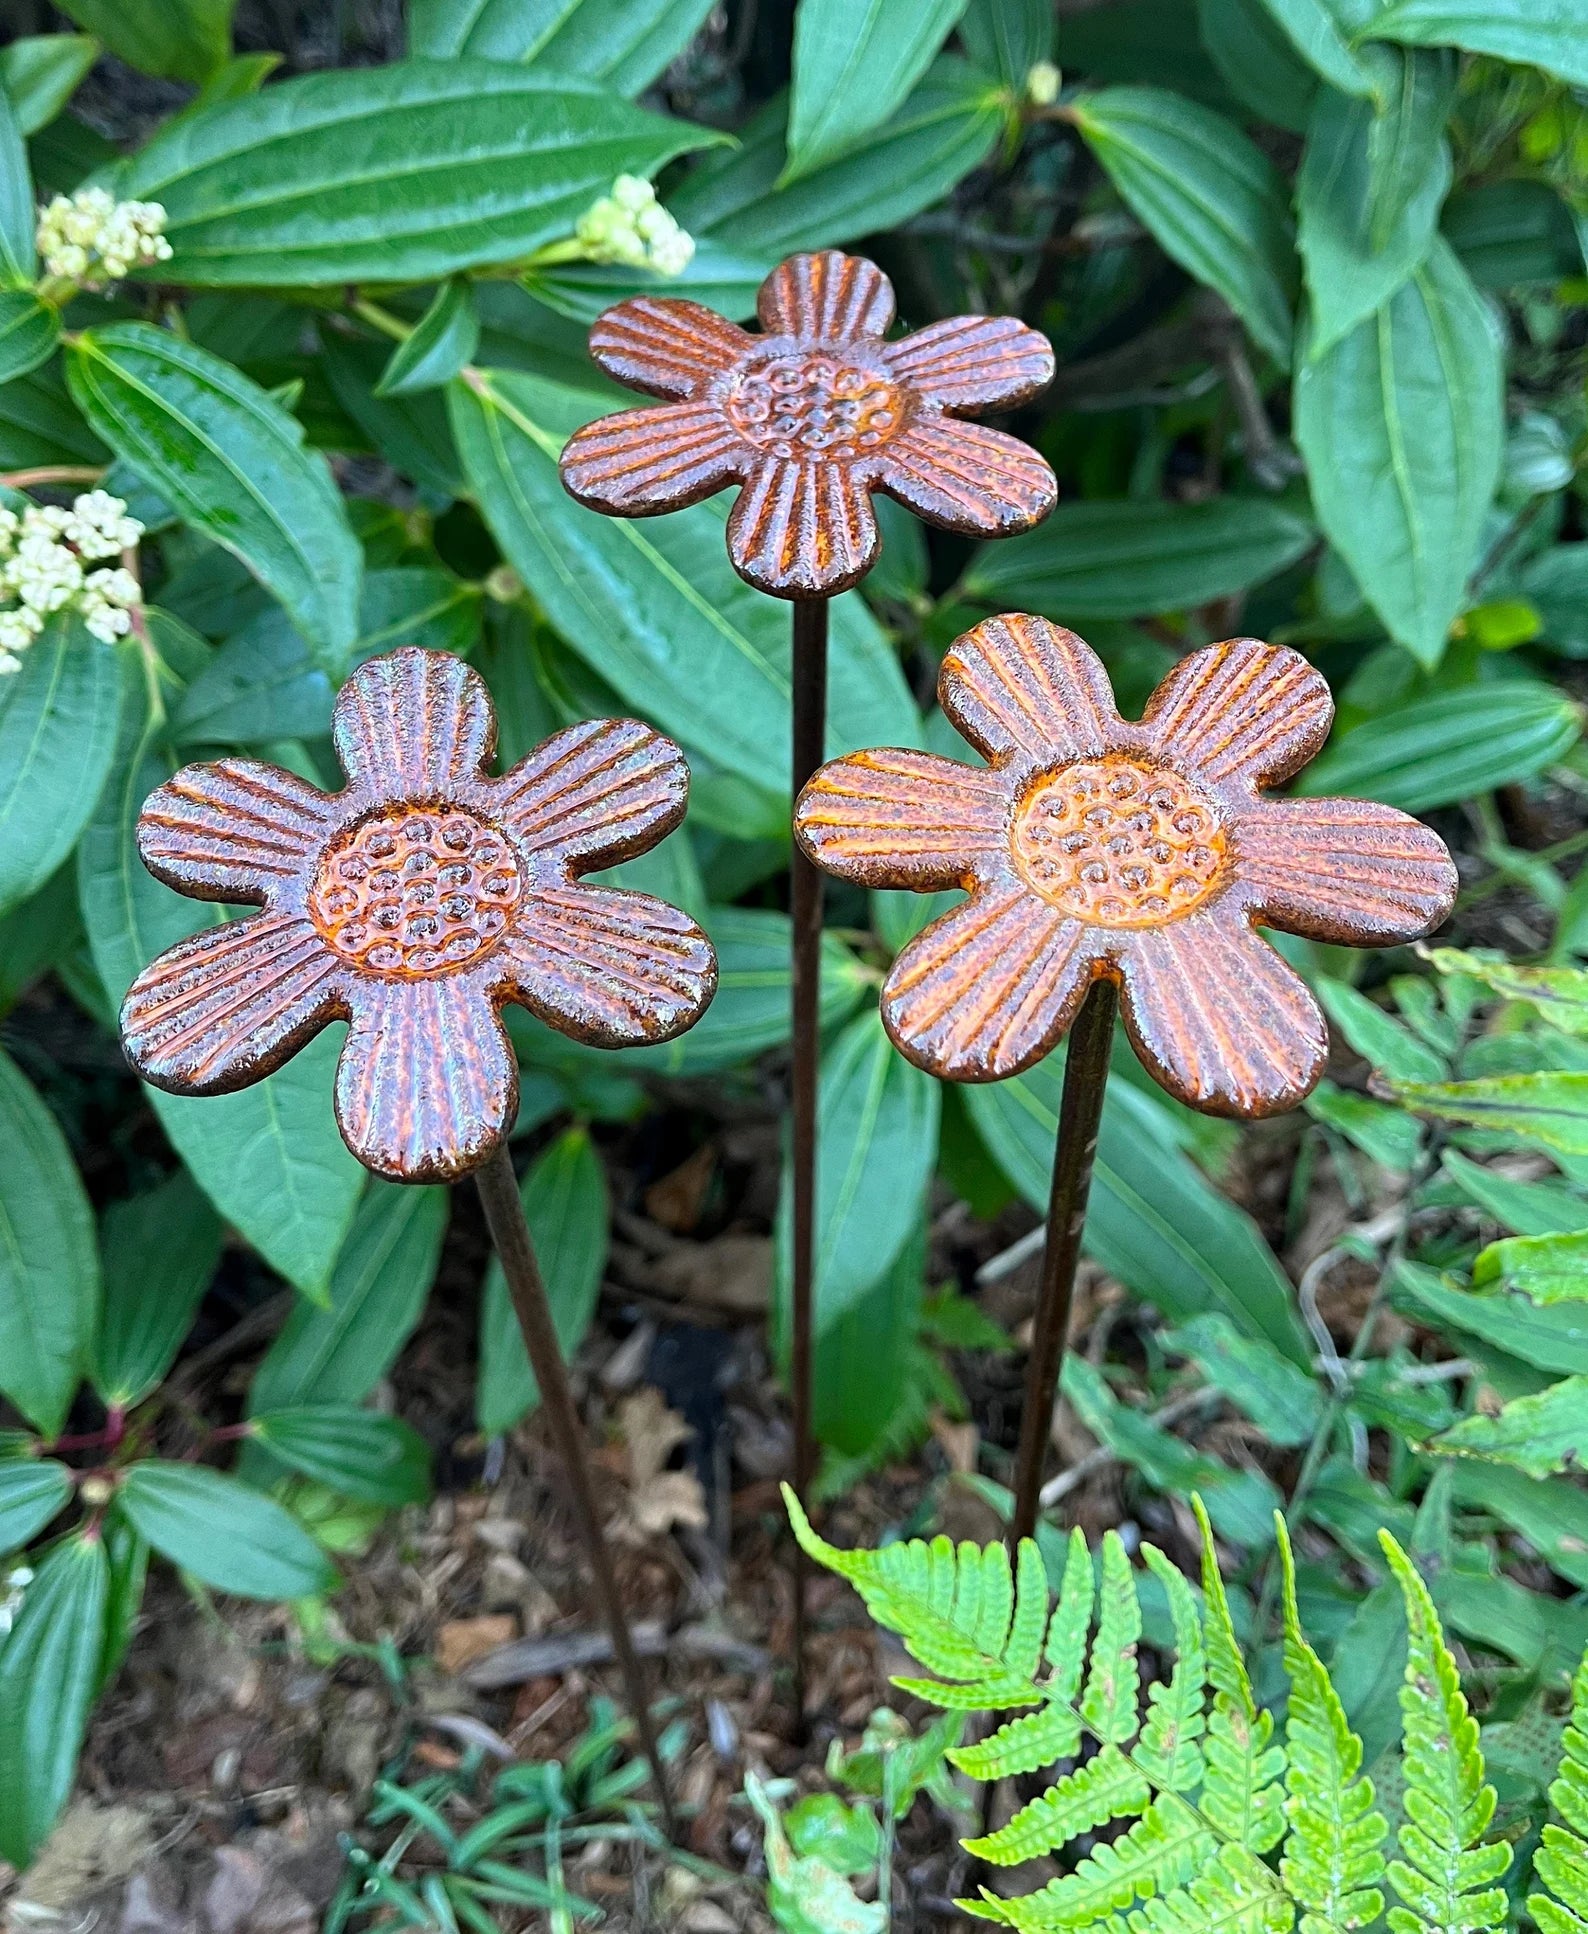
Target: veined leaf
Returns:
[[1258, 61], [32, 1491], [1313, 30], [29, 331], [1283, 1401], [231, 1537], [160, 1253], [1549, 1269], [1551, 1514], [1530, 1208], [40, 73], [444, 339], [180, 40], [1007, 37], [18, 217], [1554, 1338], [1552, 34], [1550, 1109], [1377, 1035], [1541, 1434], [1559, 993], [854, 62], [358, 1453], [625, 43]]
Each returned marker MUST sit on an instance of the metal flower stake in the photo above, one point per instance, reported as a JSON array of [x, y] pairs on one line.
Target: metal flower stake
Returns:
[[810, 417], [412, 904], [1118, 865]]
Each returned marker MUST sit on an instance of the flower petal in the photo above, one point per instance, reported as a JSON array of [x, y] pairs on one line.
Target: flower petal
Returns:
[[410, 724], [1219, 1018], [1021, 687], [1345, 871], [666, 346], [988, 989], [1241, 710], [830, 295], [802, 529], [967, 478], [974, 362], [609, 967], [892, 818], [643, 461], [229, 1004], [598, 792], [234, 830], [427, 1085]]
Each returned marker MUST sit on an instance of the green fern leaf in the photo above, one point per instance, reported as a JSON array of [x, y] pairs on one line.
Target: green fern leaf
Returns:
[[1113, 1681], [1066, 1647], [1168, 1751], [1445, 1879], [1334, 1857], [1241, 1794], [1561, 1862], [1105, 1789], [1023, 1745], [1233, 1894], [1156, 1855]]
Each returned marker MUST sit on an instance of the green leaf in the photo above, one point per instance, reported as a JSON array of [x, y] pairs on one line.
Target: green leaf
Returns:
[[1552, 34], [1530, 1208], [867, 1359], [58, 718], [233, 463], [1510, 233], [1134, 560], [1258, 62], [32, 1491], [805, 1893], [625, 43], [160, 1254], [846, 1837], [1283, 1401], [357, 1453], [1376, 1035], [1553, 1339], [1450, 745], [1384, 1133], [49, 1670], [1007, 37], [18, 217], [49, 1267], [1370, 188], [1552, 1516], [1560, 994], [405, 173], [29, 331], [180, 40], [854, 62], [1313, 30], [565, 1203], [225, 1534], [1211, 199], [1401, 425], [40, 73], [1541, 1434], [1549, 1269], [444, 339], [336, 1354], [1548, 1109]]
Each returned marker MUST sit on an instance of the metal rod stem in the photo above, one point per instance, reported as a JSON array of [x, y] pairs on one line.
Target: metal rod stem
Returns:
[[805, 907], [504, 1212], [1080, 1111]]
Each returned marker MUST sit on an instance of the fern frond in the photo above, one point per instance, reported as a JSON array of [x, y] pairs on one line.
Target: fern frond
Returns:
[[1105, 1789], [1023, 1745], [1241, 1794], [1446, 1875], [1072, 1620], [1168, 1751], [1233, 1894], [1561, 1862], [1113, 1680], [1333, 1861]]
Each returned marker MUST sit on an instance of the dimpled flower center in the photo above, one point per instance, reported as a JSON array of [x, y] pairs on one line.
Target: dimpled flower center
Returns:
[[1119, 843], [814, 405], [416, 891]]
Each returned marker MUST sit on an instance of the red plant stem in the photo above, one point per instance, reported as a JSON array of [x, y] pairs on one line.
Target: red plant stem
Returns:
[[107, 1439], [805, 906], [504, 1212], [1080, 1112]]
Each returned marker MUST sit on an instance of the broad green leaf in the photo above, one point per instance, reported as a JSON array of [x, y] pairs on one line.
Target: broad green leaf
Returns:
[[233, 463], [854, 62], [1510, 233], [337, 1354], [1559, 993], [565, 1203], [1370, 188], [1542, 1434], [1258, 61], [1549, 1269], [1007, 37], [1552, 34], [1450, 745], [625, 43], [876, 1148], [18, 217], [1313, 30], [1530, 1208], [866, 1358], [49, 1267], [411, 432], [40, 73], [1284, 1402], [38, 424], [1550, 1109], [224, 1533], [805, 1894], [357, 1453], [1385, 1134], [444, 339], [32, 1491], [405, 173], [1132, 560], [160, 1252], [1552, 1516], [1376, 1035], [58, 719], [37, 934], [49, 1672], [1553, 1338], [1154, 1221], [1211, 199], [128, 1555], [180, 40], [29, 331], [1401, 426]]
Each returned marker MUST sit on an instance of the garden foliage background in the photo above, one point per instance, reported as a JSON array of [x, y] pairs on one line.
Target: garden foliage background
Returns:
[[1313, 271]]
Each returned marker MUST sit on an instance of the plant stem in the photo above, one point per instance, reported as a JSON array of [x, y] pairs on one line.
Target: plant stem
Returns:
[[504, 1212], [805, 906], [381, 319], [52, 473], [1080, 1111]]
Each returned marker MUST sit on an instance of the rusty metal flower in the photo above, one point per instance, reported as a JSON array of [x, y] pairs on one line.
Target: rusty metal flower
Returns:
[[413, 904], [1093, 846], [811, 416]]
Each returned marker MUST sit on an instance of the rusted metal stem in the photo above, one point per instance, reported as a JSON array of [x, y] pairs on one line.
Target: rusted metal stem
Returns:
[[1080, 1111], [805, 905], [504, 1212]]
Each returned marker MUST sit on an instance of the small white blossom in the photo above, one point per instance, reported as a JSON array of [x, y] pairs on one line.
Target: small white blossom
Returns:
[[1042, 84], [107, 602], [12, 1586], [42, 555], [44, 574], [99, 526], [90, 238], [631, 226]]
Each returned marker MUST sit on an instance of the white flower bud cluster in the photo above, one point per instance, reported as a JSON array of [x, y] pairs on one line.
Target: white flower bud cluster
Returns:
[[90, 238], [42, 557], [630, 225], [13, 1584]]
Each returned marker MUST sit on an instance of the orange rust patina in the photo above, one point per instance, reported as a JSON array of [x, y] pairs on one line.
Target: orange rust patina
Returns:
[[811, 416], [1094, 846], [413, 904]]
